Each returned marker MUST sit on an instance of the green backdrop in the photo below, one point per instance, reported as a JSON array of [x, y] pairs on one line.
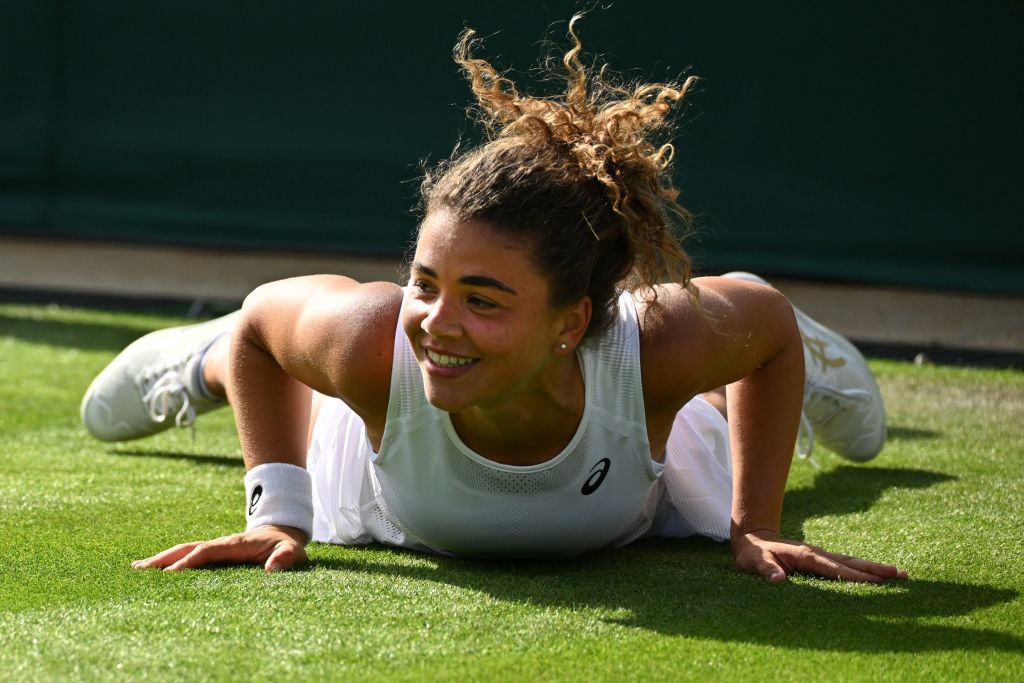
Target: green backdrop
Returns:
[[866, 141]]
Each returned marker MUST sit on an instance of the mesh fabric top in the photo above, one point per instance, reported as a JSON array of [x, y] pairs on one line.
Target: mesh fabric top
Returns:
[[435, 491]]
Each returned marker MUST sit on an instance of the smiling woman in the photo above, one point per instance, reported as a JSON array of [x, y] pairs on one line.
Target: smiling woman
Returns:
[[482, 306], [538, 388]]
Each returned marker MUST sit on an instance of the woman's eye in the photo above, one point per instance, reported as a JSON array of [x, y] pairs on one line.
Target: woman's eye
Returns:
[[421, 286], [483, 304]]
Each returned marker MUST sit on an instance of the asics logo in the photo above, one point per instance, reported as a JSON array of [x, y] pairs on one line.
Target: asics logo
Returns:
[[818, 348], [257, 493], [597, 474]]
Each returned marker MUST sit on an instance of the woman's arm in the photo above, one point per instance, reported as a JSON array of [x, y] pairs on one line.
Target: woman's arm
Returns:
[[743, 336], [323, 333]]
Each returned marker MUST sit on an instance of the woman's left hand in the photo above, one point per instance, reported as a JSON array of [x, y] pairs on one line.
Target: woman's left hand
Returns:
[[774, 558]]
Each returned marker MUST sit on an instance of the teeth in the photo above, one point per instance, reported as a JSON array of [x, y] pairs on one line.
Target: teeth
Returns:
[[448, 361]]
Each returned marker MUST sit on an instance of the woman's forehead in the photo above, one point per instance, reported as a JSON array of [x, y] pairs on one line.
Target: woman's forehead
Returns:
[[451, 248]]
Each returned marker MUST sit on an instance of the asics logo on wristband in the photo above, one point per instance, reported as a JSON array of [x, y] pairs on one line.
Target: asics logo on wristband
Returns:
[[257, 493], [597, 475]]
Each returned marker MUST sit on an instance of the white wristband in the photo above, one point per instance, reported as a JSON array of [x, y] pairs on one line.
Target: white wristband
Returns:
[[280, 494]]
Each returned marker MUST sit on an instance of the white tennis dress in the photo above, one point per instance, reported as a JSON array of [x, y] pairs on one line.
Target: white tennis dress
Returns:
[[426, 490]]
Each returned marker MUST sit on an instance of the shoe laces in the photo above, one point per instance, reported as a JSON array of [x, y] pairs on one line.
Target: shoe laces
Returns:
[[834, 401], [165, 394]]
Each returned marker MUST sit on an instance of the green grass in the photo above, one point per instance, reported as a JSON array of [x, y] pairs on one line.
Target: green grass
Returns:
[[944, 500]]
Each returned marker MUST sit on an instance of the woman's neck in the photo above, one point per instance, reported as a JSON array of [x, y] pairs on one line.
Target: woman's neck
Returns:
[[532, 426]]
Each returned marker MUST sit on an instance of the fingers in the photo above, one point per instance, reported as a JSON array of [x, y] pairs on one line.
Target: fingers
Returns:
[[227, 550], [224, 550], [753, 559], [285, 556], [848, 568], [166, 558], [276, 549], [884, 571], [774, 559], [766, 566], [823, 565], [772, 573]]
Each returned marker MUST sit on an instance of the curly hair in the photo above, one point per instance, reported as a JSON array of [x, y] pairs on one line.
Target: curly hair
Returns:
[[577, 178]]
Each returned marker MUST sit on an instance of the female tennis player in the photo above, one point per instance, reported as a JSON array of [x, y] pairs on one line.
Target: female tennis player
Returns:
[[542, 386]]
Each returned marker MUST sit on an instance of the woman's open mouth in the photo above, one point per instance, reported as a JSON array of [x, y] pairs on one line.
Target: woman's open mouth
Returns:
[[446, 361]]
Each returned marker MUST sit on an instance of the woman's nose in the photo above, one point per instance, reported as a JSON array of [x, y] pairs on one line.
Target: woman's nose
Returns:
[[442, 319]]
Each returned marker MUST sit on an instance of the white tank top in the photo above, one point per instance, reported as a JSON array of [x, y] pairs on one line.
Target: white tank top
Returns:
[[434, 492]]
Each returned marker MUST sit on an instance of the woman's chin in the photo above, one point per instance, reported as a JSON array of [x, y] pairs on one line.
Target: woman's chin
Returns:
[[446, 398], [445, 402]]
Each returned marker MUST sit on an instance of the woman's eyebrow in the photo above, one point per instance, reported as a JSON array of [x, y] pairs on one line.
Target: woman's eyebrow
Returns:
[[474, 280]]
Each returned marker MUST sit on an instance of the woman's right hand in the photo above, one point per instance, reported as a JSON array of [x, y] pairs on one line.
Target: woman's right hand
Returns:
[[277, 548]]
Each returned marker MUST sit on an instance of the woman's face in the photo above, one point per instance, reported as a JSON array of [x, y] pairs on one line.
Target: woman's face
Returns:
[[478, 316]]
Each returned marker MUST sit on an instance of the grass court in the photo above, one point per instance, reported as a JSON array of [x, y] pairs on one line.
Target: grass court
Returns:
[[945, 500]]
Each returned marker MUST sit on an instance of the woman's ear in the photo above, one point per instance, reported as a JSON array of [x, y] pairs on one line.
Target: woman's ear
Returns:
[[575, 320]]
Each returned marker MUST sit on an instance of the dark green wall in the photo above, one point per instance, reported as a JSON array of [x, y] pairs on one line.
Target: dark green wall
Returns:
[[867, 141]]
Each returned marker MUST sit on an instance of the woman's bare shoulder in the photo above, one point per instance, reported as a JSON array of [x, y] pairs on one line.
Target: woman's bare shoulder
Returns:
[[693, 341], [354, 330], [332, 333], [682, 336]]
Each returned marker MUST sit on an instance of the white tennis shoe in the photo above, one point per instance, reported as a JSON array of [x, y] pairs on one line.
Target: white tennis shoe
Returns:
[[154, 384], [843, 406]]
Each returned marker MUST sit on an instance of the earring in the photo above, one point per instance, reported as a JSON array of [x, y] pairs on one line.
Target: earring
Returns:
[[563, 346]]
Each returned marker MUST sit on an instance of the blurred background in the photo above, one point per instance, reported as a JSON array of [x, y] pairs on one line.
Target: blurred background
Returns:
[[867, 149]]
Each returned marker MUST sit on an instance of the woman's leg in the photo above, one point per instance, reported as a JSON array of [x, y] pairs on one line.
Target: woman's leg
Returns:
[[215, 366]]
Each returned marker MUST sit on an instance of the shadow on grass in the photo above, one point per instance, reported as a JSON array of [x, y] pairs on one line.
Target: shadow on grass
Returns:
[[80, 335], [848, 489], [198, 458], [897, 433], [688, 588]]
